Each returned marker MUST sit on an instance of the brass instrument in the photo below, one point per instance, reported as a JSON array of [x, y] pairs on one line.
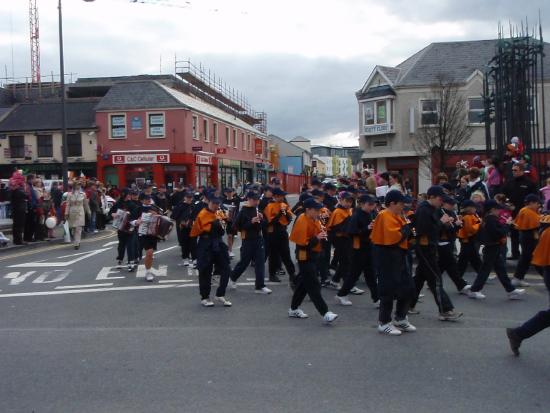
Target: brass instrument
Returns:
[[222, 217]]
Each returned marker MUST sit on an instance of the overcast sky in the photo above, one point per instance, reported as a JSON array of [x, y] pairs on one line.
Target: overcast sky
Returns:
[[301, 61]]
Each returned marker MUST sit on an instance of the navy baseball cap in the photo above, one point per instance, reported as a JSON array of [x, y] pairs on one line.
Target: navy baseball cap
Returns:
[[227, 190], [144, 196], [345, 195], [467, 203], [491, 204], [436, 190], [367, 199], [532, 198], [188, 194], [449, 200], [279, 191], [329, 186], [317, 192], [394, 196], [312, 203], [252, 195], [215, 200]]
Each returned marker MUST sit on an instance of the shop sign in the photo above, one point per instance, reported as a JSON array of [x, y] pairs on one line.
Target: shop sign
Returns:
[[221, 151], [203, 160], [141, 158], [196, 148], [373, 129]]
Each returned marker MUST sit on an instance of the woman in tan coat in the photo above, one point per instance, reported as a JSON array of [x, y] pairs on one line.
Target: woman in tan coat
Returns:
[[77, 208]]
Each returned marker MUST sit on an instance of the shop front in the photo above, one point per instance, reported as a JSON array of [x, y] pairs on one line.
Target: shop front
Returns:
[[247, 169], [203, 170], [50, 170], [229, 173], [262, 172]]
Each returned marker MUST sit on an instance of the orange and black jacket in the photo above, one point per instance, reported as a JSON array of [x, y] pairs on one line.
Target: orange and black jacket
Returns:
[[492, 232], [276, 220], [528, 222], [207, 224], [470, 227], [390, 230], [243, 223], [358, 230], [337, 222], [541, 254], [304, 235]]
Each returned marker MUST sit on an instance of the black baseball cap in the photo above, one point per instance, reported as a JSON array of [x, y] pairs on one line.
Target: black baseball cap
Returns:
[[467, 203], [252, 195], [317, 192], [312, 203], [532, 198], [367, 199], [491, 204], [214, 200], [345, 195], [279, 191], [436, 190], [144, 196], [394, 196], [449, 200]]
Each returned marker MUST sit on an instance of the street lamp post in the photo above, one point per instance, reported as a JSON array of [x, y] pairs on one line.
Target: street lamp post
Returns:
[[64, 151]]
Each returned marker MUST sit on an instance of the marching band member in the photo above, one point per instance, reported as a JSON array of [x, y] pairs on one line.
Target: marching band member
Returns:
[[306, 234], [493, 235], [182, 213], [249, 223], [338, 237], [541, 320], [358, 228], [469, 247], [146, 242], [278, 217], [230, 203], [527, 223], [324, 255], [211, 250], [389, 236]]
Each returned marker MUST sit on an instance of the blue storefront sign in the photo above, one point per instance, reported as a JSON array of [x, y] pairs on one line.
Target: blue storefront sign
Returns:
[[136, 123]]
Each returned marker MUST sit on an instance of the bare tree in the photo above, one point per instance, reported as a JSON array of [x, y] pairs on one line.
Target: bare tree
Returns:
[[447, 127]]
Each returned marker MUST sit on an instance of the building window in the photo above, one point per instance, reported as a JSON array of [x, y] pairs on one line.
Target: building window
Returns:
[[17, 146], [429, 112], [45, 146], [205, 130], [194, 128], [476, 111], [249, 143], [215, 133], [381, 114], [74, 144], [227, 143], [118, 126], [235, 138], [368, 110], [156, 125]]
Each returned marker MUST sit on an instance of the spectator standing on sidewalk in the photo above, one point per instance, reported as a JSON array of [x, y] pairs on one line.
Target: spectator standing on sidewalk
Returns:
[[76, 211], [18, 206]]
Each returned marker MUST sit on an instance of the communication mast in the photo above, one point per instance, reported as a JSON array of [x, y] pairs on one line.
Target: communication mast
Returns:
[[35, 41]]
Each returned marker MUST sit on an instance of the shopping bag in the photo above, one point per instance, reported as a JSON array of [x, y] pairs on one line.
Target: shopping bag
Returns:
[[67, 238]]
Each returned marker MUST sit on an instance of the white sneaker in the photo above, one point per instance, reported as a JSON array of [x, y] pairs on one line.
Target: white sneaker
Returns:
[[476, 295], [231, 255], [389, 329], [329, 317], [149, 276], [516, 282], [184, 263], [232, 285], [194, 264], [492, 277], [343, 300], [356, 291], [465, 290], [298, 313], [119, 265], [404, 325], [207, 302], [263, 290], [516, 294], [224, 301]]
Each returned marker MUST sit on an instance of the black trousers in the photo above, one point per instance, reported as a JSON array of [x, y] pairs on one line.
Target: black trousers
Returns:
[[528, 244], [279, 250], [342, 246], [539, 321], [428, 271], [514, 240], [18, 226], [212, 252], [448, 263], [30, 226], [184, 240], [394, 282], [469, 254], [494, 256], [251, 248], [361, 262], [124, 243], [307, 283], [324, 261]]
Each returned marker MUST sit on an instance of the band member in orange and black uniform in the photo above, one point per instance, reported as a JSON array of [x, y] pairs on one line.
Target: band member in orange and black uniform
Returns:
[[359, 228], [336, 229], [446, 250], [389, 235], [541, 320], [265, 200], [182, 213], [249, 222], [527, 223], [324, 255], [278, 217], [211, 250], [306, 234], [467, 235], [428, 222]]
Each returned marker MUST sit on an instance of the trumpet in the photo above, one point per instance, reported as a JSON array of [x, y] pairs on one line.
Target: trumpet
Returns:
[[222, 217]]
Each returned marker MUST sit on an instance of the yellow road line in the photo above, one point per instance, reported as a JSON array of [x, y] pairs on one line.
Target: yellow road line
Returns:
[[110, 234]]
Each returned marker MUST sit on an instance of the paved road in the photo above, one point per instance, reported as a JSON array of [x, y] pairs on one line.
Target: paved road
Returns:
[[80, 336]]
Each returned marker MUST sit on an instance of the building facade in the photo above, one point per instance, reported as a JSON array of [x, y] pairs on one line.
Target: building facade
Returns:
[[396, 102], [31, 139], [294, 157]]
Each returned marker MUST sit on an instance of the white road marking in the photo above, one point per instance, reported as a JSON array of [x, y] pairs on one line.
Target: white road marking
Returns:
[[63, 263], [88, 290], [67, 287], [110, 243], [161, 272], [174, 281], [166, 249], [59, 275], [104, 274], [17, 277]]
